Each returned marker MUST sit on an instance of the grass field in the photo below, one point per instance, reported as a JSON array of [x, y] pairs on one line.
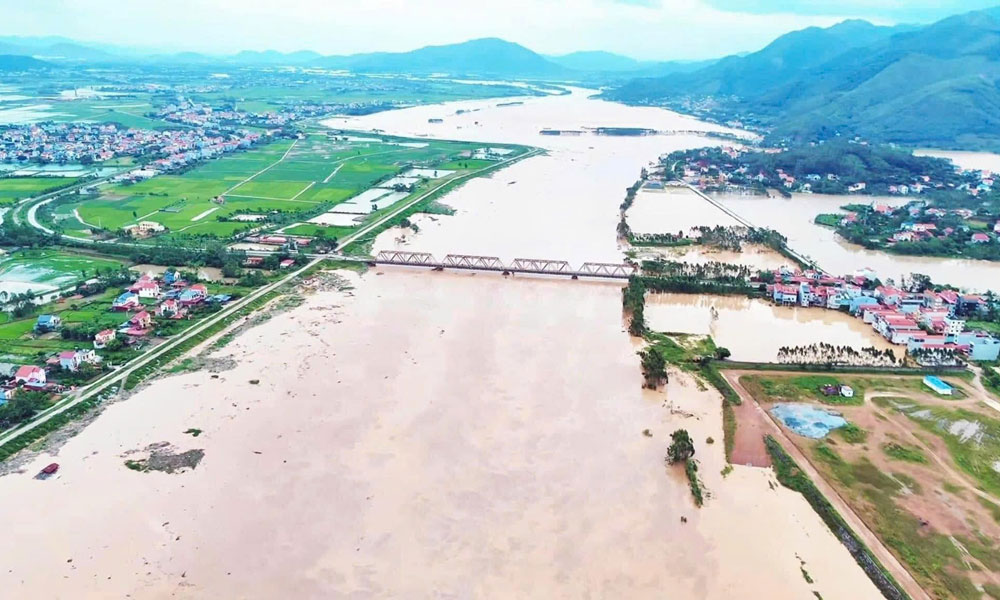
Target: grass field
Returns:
[[285, 180], [797, 388], [920, 470], [13, 189]]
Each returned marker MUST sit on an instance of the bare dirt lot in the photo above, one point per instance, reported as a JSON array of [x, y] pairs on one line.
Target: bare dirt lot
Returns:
[[920, 470]]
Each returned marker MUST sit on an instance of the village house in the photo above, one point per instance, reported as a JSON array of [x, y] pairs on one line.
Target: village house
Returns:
[[30, 375], [126, 302], [980, 238], [146, 287], [141, 320], [170, 309], [47, 323], [103, 338], [144, 229], [72, 359], [193, 295]]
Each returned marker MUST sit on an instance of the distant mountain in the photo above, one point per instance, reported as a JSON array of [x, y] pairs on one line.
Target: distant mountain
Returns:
[[935, 85], [788, 56], [609, 63], [487, 56], [273, 57], [597, 61], [13, 62]]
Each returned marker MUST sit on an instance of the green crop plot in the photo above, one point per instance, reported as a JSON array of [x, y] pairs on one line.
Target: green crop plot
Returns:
[[297, 178], [13, 189]]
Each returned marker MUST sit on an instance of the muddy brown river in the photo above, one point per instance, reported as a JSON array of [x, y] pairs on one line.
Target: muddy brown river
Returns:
[[433, 434]]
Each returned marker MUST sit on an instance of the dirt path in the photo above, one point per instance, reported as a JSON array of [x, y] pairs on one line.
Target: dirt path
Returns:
[[887, 558], [748, 441], [268, 167]]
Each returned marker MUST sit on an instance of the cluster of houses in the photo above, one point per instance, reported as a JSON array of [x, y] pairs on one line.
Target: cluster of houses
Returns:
[[94, 142], [715, 169], [920, 321], [195, 114], [168, 297], [922, 223]]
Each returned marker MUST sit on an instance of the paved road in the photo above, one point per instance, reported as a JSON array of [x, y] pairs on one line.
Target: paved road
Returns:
[[118, 377]]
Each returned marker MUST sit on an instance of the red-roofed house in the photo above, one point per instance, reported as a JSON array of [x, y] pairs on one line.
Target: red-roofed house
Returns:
[[103, 338], [141, 320], [146, 288], [980, 238], [786, 294], [170, 309], [69, 360], [30, 375]]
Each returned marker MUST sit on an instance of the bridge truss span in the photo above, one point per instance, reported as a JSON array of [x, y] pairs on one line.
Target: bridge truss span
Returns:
[[535, 266]]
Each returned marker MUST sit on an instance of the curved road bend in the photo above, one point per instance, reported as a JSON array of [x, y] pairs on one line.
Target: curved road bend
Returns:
[[887, 558]]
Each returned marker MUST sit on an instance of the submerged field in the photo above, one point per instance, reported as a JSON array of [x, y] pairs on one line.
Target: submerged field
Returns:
[[50, 268], [922, 471], [283, 181]]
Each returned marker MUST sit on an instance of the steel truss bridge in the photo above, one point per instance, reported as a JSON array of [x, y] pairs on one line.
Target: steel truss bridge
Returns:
[[535, 266]]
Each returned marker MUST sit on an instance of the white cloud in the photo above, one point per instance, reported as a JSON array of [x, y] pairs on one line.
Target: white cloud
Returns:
[[666, 29]]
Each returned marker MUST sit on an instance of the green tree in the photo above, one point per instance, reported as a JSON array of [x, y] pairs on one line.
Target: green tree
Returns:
[[654, 368], [722, 353], [681, 447]]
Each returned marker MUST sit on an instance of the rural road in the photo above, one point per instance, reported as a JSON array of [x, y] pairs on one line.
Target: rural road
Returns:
[[887, 558], [121, 374]]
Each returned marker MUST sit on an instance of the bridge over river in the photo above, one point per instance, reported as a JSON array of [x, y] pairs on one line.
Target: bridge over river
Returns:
[[535, 266]]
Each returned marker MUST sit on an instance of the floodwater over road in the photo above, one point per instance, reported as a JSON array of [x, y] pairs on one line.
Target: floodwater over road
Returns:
[[794, 218], [562, 205], [674, 210], [433, 434], [754, 330]]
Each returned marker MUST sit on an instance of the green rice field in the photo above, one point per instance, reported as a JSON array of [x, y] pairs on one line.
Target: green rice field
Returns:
[[293, 179], [13, 189]]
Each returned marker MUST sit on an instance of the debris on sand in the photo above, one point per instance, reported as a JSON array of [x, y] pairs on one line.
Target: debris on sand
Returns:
[[162, 456]]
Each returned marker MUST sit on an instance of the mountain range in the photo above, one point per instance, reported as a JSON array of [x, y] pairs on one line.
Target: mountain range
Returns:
[[936, 85], [484, 57]]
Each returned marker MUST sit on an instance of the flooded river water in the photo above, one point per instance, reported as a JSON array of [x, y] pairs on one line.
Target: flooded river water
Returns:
[[436, 434], [563, 205], [794, 217], [457, 436], [753, 330]]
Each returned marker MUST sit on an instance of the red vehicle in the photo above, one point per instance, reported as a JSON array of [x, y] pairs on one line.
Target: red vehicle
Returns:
[[50, 470]]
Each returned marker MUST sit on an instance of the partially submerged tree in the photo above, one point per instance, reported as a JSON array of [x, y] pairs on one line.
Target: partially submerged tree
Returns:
[[654, 368], [681, 447]]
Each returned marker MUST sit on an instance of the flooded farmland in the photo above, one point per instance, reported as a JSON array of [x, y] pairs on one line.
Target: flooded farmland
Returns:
[[794, 218], [754, 330]]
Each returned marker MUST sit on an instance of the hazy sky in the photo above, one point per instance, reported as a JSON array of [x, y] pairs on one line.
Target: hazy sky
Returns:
[[651, 29]]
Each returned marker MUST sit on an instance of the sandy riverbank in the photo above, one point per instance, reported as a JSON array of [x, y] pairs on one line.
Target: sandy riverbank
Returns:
[[432, 434]]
